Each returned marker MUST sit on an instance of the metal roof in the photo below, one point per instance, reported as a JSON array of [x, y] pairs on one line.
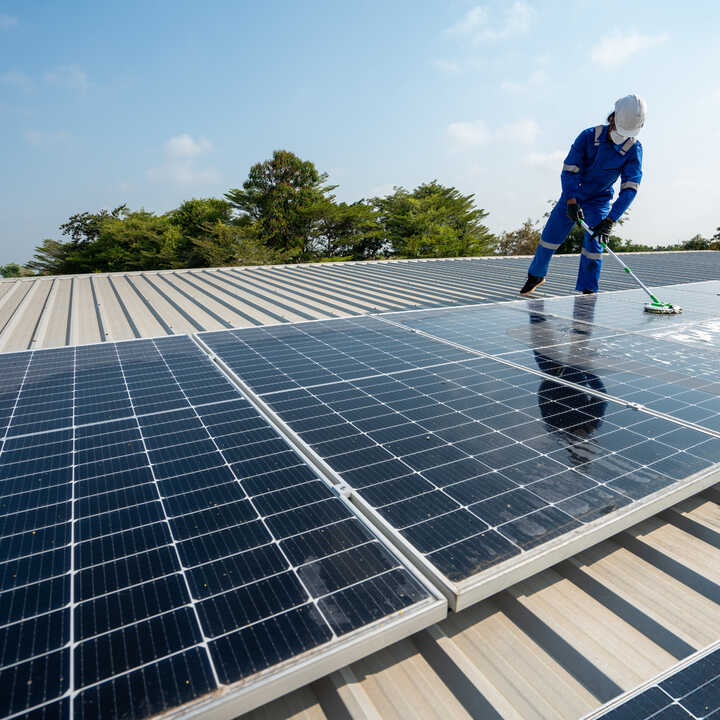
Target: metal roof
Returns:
[[557, 645], [42, 312]]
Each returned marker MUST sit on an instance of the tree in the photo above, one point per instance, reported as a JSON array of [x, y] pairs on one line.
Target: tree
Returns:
[[196, 221], [12, 270], [350, 230], [224, 245], [698, 242], [109, 241], [433, 221], [716, 240], [523, 241], [283, 200], [83, 228], [50, 258]]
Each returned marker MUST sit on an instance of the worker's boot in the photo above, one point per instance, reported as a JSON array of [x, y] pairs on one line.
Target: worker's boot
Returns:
[[531, 284]]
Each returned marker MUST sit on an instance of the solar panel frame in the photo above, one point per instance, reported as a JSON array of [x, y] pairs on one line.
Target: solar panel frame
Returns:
[[91, 442], [676, 693], [487, 582]]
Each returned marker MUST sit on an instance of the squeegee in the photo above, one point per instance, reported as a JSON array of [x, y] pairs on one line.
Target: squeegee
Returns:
[[655, 306]]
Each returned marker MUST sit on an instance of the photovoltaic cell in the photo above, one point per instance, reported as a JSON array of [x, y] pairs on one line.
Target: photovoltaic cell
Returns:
[[283, 357], [691, 692], [159, 539], [474, 461], [674, 378]]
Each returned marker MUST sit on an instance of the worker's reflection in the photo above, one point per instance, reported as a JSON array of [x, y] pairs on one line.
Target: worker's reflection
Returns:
[[572, 414]]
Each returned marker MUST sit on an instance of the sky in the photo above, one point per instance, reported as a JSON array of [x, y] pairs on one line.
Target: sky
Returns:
[[149, 104]]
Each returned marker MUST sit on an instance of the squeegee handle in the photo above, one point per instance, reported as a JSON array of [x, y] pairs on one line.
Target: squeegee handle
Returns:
[[605, 247]]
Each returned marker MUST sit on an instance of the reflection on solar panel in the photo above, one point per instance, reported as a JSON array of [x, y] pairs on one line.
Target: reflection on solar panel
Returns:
[[623, 311], [471, 462], [672, 378], [283, 357], [690, 691], [160, 540]]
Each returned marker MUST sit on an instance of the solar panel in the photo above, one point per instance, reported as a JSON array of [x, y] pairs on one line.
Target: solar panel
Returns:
[[673, 378], [283, 357], [474, 466], [624, 310], [161, 542], [689, 691]]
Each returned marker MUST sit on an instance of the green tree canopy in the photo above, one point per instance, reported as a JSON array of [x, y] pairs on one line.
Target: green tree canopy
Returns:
[[11, 270], [196, 221], [282, 202], [350, 230], [109, 241], [433, 221], [522, 241]]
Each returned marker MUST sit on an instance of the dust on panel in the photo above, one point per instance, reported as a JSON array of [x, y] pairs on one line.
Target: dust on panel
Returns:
[[474, 462], [160, 539]]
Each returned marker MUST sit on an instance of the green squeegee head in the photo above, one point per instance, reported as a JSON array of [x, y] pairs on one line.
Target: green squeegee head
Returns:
[[662, 308]]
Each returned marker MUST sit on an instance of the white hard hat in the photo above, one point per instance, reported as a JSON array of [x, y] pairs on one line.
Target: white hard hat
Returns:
[[629, 115]]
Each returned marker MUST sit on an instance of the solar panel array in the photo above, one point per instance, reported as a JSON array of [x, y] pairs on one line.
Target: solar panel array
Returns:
[[159, 539], [471, 461], [689, 693], [677, 379]]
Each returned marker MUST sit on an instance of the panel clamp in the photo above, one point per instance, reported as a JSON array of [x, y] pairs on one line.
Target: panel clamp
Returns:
[[344, 490]]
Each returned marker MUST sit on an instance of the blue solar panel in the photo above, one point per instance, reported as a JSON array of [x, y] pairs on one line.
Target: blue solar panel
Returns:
[[691, 692], [283, 357], [674, 378], [474, 461], [160, 540]]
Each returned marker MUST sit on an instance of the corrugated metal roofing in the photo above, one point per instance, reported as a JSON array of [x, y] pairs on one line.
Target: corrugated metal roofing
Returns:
[[67, 310], [557, 645]]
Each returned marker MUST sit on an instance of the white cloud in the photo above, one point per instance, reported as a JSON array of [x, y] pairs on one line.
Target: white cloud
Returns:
[[469, 134], [523, 131], [68, 77], [551, 161], [13, 78], [475, 20], [536, 79], [476, 27], [619, 47], [180, 166], [7, 21], [46, 138], [185, 146], [183, 174]]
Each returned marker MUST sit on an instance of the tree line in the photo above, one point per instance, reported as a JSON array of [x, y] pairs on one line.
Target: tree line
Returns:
[[286, 212]]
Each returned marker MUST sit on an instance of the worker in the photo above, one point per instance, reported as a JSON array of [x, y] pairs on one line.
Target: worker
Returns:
[[596, 159]]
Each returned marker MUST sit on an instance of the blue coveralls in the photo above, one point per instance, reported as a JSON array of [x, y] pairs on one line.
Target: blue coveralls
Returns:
[[591, 168]]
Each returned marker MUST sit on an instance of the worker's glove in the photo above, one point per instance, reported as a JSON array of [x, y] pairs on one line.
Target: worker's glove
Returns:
[[604, 227], [575, 212]]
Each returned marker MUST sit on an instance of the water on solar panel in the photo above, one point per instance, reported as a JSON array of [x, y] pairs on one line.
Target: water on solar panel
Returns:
[[473, 462]]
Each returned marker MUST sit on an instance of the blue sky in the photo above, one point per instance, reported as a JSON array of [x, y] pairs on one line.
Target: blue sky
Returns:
[[153, 103]]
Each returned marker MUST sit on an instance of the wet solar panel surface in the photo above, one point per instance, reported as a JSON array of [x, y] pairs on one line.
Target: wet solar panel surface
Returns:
[[692, 693], [664, 374], [159, 539], [474, 461]]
